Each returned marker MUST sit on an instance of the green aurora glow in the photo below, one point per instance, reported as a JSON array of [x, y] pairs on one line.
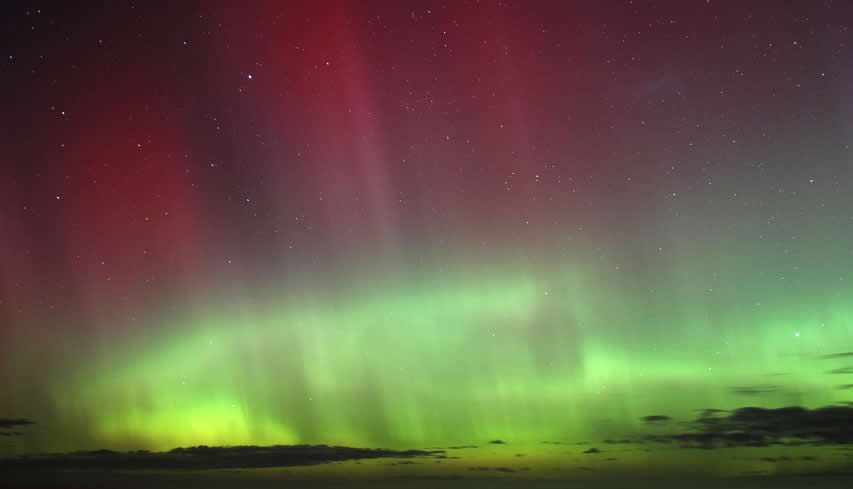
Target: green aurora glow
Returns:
[[449, 361]]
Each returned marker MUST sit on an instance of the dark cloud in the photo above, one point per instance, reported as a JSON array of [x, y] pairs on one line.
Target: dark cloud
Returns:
[[497, 442], [497, 469], [846, 386], [758, 427], [617, 442], [7, 423], [592, 450], [451, 477], [711, 412], [656, 439], [837, 355], [752, 390], [204, 457], [842, 370], [714, 440], [656, 418], [460, 447], [775, 459]]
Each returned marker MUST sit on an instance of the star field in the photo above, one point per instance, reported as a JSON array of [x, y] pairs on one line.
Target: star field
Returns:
[[429, 224]]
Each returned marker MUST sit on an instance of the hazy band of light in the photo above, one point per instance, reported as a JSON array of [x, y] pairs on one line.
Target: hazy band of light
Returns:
[[448, 360]]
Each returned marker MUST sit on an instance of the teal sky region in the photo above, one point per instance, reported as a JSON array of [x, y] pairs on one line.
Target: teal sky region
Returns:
[[532, 240]]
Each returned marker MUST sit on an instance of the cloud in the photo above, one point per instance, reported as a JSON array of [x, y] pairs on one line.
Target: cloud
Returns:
[[592, 450], [846, 386], [497, 442], [808, 458], [7, 423], [460, 447], [617, 442], [451, 477], [712, 411], [497, 469], [837, 355], [842, 370], [656, 439], [656, 418], [204, 457], [775, 459], [759, 427], [752, 390]]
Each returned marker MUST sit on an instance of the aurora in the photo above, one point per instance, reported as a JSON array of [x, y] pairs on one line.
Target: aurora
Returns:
[[465, 244]]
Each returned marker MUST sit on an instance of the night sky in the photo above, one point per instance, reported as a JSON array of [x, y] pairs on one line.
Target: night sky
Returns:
[[586, 238]]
